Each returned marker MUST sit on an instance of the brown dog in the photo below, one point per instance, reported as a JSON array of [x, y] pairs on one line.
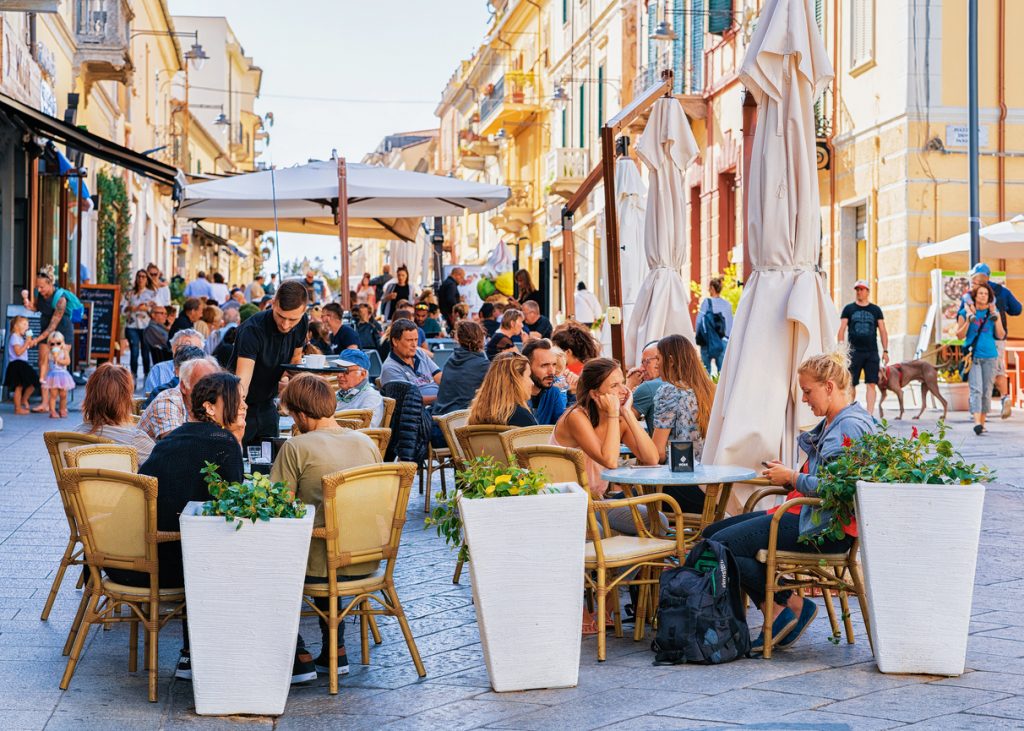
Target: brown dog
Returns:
[[895, 377]]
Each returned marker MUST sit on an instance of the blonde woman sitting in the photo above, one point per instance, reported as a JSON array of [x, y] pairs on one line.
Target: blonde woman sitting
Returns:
[[504, 396]]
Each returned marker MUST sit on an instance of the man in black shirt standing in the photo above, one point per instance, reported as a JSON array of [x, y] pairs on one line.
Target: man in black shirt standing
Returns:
[[342, 336], [265, 343], [448, 295], [865, 322]]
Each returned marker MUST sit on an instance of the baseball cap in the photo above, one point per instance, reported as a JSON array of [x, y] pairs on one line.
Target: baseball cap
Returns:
[[981, 268], [861, 283], [352, 358]]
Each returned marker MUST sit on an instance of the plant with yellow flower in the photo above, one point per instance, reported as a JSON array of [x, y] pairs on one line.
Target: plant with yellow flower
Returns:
[[482, 478]]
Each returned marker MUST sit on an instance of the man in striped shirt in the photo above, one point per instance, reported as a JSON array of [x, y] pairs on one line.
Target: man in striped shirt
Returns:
[[169, 409]]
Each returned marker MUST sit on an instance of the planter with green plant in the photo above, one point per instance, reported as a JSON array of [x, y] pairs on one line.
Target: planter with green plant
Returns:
[[244, 553], [918, 508], [527, 547]]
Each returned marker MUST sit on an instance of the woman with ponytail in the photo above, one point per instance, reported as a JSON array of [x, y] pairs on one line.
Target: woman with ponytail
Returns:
[[825, 383]]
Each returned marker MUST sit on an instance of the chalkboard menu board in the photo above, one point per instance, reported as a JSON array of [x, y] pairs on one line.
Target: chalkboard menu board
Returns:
[[106, 316]]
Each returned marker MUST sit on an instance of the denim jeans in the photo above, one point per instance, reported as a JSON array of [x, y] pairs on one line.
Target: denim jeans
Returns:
[[747, 534], [707, 356], [980, 378], [137, 344]]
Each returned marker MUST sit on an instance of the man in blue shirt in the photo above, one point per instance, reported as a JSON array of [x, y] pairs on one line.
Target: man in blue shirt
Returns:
[[199, 287], [645, 380], [408, 363], [1006, 304], [546, 401]]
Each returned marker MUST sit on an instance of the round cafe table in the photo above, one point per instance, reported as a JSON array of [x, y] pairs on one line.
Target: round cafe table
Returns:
[[716, 479]]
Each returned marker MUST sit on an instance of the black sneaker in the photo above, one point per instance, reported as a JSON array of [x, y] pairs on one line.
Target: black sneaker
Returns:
[[978, 429], [323, 663], [184, 669], [303, 669]]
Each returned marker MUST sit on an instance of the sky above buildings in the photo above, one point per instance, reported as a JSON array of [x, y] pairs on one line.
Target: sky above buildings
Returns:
[[343, 74]]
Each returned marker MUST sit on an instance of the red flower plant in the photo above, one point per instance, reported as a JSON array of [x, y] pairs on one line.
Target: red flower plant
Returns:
[[847, 442], [913, 433]]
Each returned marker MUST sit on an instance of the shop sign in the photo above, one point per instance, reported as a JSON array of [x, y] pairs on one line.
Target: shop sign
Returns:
[[958, 135]]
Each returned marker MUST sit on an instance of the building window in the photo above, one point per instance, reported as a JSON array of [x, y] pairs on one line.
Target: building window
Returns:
[[565, 128], [860, 238], [652, 47], [583, 115], [862, 33], [678, 48], [565, 11]]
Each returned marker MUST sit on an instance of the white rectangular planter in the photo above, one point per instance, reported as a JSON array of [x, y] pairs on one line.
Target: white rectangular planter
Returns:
[[919, 546], [244, 593], [526, 563]]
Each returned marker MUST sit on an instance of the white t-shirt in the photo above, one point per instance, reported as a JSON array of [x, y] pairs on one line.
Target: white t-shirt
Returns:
[[219, 293], [588, 308]]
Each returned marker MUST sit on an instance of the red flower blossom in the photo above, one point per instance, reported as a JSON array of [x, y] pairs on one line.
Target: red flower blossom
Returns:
[[847, 442], [913, 433]]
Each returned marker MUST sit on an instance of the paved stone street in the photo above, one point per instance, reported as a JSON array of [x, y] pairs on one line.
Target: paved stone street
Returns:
[[816, 685]]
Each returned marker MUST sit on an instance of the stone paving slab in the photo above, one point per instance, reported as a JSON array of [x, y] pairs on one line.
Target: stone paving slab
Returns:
[[817, 685]]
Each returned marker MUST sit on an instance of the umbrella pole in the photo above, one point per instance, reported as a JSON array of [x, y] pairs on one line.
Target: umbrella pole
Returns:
[[612, 241], [343, 232]]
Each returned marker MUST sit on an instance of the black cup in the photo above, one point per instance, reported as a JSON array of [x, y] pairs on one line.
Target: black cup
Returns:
[[681, 456]]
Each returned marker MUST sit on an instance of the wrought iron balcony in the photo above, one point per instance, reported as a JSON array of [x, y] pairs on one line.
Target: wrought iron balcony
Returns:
[[512, 99], [566, 169]]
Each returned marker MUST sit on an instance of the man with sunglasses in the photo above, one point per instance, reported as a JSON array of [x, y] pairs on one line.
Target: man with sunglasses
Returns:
[[156, 334], [644, 381]]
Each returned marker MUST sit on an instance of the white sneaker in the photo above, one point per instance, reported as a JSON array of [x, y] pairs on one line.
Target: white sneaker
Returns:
[[1007, 408], [184, 669]]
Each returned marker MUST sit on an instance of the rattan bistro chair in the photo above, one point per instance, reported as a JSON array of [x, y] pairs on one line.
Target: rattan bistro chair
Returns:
[[483, 440], [57, 442], [800, 570], [380, 437], [527, 436], [364, 512], [364, 417], [389, 411], [449, 423], [118, 457], [116, 517], [610, 560]]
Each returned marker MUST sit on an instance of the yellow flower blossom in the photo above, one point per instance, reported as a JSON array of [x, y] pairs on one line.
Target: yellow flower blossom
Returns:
[[513, 491], [489, 490], [502, 478]]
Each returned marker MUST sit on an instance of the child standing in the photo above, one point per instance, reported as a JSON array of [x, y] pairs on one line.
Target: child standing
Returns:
[[21, 376], [58, 380]]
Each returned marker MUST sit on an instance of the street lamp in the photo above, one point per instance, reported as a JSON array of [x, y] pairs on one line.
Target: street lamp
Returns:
[[560, 97], [663, 32], [196, 55]]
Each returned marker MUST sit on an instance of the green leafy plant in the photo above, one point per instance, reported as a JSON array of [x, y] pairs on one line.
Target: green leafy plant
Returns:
[[731, 288], [113, 238], [254, 498], [923, 458], [481, 478]]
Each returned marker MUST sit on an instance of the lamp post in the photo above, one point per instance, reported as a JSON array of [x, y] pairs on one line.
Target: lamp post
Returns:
[[972, 120]]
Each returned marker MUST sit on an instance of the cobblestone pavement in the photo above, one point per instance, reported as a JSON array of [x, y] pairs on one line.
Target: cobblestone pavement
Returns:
[[815, 685]]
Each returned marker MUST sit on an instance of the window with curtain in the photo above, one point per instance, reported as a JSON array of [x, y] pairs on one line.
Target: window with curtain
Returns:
[[862, 32]]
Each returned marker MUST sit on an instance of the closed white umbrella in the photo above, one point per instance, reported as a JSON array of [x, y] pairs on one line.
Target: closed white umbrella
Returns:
[[1003, 240], [667, 148], [785, 314], [630, 208]]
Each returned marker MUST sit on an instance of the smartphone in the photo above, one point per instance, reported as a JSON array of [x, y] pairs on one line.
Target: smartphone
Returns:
[[765, 464]]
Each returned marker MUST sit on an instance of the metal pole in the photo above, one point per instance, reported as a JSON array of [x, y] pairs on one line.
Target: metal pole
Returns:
[[972, 111], [346, 300]]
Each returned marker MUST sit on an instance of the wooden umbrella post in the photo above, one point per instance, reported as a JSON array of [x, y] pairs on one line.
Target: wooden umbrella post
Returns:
[[611, 241], [568, 265], [343, 232]]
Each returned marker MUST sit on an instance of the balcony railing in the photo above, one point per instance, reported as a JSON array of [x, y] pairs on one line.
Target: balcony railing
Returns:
[[566, 169], [516, 213], [101, 23], [493, 100], [508, 101]]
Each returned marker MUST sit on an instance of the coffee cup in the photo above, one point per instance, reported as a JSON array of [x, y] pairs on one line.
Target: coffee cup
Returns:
[[314, 360]]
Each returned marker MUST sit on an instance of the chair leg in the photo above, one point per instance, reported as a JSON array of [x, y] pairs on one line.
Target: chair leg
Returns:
[[76, 648], [844, 603], [332, 651], [826, 595], [65, 561], [375, 631], [81, 578], [133, 648], [459, 563], [364, 631], [602, 598], [421, 470], [769, 605], [154, 648], [76, 624], [862, 599], [441, 468], [396, 608]]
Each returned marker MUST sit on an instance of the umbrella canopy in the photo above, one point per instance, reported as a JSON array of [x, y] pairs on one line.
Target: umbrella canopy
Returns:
[[381, 201], [785, 314], [1003, 240], [667, 148], [630, 207]]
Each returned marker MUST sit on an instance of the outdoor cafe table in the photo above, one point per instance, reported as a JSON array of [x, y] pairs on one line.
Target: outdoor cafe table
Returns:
[[717, 479]]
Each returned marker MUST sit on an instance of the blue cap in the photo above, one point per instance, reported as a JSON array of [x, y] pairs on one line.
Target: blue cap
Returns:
[[981, 268], [352, 358]]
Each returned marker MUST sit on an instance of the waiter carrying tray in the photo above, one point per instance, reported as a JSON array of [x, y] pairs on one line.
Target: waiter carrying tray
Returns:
[[266, 342]]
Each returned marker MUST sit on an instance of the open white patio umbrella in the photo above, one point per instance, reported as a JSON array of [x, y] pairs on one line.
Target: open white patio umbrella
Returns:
[[785, 314], [630, 208], [1003, 240], [667, 148], [382, 202]]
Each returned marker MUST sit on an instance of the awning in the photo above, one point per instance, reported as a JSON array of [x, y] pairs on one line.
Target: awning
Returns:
[[76, 183], [34, 121]]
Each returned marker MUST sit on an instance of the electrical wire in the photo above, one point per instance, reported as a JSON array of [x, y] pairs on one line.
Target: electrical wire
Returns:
[[298, 97]]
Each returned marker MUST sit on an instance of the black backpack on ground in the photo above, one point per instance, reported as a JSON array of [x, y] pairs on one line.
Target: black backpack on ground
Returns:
[[700, 615]]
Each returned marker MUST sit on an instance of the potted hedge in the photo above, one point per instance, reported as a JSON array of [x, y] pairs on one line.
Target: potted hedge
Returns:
[[918, 507], [527, 550], [244, 554]]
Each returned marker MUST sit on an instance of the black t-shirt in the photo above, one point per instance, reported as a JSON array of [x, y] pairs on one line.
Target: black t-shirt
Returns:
[[862, 323], [542, 327], [260, 340], [346, 337], [522, 416], [490, 327]]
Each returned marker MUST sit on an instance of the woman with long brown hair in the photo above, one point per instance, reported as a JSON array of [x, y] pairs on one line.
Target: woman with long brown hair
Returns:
[[504, 396], [107, 409], [577, 343], [526, 291], [138, 302], [682, 408]]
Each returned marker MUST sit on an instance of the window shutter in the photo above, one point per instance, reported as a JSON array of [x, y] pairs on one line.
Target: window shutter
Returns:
[[862, 31], [719, 16], [600, 95], [565, 128], [652, 48], [696, 46], [583, 116]]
